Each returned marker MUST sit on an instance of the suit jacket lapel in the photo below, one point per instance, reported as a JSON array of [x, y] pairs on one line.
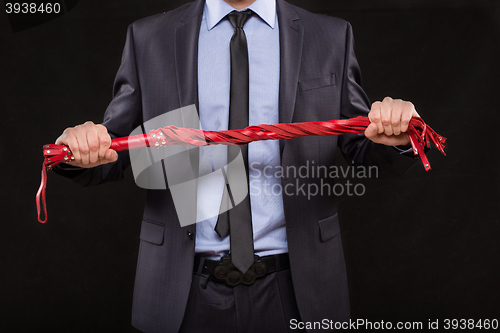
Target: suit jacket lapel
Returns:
[[186, 66], [291, 38], [186, 54]]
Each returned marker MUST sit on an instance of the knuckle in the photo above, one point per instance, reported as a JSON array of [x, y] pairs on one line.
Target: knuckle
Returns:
[[410, 110], [105, 140], [386, 120], [84, 150], [79, 129], [93, 145], [68, 131], [103, 133], [73, 147], [100, 128]]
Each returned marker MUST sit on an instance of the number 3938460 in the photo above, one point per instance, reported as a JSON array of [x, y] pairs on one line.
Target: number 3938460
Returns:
[[32, 8]]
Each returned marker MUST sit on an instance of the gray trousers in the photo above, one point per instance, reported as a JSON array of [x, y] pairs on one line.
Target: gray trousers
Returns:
[[267, 306]]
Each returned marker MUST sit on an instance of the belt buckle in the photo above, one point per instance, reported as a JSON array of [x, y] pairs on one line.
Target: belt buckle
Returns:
[[226, 272]]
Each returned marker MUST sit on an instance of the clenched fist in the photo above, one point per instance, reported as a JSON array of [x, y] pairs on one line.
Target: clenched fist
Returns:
[[389, 122], [89, 144]]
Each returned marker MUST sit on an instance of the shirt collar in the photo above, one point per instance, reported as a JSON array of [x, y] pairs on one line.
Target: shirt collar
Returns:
[[216, 10]]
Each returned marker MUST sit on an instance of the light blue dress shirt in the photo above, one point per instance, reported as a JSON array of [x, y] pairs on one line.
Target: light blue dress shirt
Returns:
[[266, 200]]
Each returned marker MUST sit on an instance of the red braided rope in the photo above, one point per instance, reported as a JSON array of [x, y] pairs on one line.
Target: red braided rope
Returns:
[[421, 135]]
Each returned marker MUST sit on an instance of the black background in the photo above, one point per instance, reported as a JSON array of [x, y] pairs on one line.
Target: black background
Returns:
[[418, 247]]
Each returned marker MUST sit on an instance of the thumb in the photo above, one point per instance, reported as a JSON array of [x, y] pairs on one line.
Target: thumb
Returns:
[[371, 131], [110, 156]]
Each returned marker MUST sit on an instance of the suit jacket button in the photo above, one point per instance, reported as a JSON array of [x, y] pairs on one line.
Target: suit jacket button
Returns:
[[190, 235]]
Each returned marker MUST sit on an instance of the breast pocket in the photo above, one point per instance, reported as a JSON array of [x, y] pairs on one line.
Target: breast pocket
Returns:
[[152, 232], [329, 227], [317, 83]]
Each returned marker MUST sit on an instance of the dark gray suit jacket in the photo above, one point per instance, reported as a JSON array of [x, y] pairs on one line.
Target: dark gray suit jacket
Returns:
[[319, 80]]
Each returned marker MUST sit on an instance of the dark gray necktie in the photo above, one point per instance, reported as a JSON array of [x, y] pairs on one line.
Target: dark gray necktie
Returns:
[[237, 221]]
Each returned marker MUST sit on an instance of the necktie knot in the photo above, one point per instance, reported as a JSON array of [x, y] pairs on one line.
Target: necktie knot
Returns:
[[238, 19]]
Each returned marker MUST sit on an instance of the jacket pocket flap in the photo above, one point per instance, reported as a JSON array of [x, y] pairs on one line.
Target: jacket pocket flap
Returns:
[[316, 83], [329, 227], [152, 233]]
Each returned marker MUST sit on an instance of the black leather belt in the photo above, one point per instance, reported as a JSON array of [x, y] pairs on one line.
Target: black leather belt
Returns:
[[224, 271]]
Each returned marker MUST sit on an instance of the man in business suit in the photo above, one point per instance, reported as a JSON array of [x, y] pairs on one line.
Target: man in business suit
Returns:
[[302, 68]]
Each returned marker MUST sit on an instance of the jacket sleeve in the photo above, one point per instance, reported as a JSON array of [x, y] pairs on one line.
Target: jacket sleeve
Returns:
[[356, 148], [122, 116]]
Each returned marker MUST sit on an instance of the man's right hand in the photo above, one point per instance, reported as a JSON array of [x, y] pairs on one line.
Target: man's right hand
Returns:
[[89, 144]]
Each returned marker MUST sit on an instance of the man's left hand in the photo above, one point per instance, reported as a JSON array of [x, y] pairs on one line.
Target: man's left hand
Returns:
[[389, 122]]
